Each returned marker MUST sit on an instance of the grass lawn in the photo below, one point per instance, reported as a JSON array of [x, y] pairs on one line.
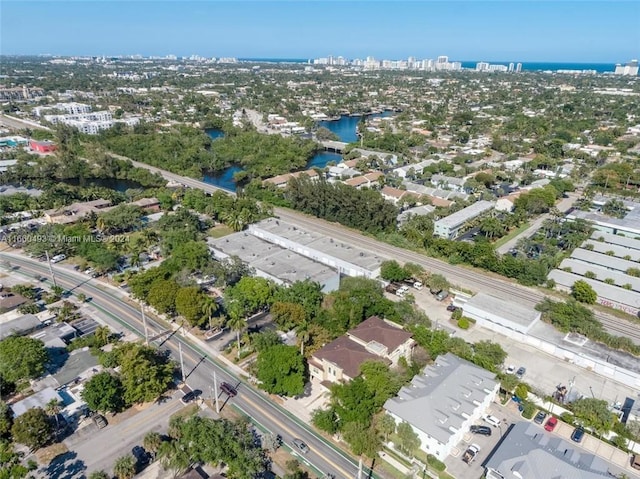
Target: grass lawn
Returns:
[[511, 235], [219, 231]]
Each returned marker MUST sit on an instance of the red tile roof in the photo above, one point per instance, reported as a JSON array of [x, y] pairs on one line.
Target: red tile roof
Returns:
[[376, 329], [347, 355]]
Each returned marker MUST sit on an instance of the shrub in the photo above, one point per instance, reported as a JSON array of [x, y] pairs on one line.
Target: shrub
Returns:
[[610, 281], [590, 275], [528, 409], [434, 462], [457, 314], [463, 323], [568, 418]]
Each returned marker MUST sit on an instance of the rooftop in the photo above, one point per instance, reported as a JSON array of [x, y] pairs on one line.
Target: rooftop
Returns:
[[377, 330], [347, 355], [511, 311], [21, 325], [443, 396], [529, 452], [345, 252], [460, 217], [274, 260], [39, 399], [609, 238]]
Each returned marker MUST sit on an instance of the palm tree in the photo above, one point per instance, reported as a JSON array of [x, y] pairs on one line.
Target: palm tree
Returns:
[[173, 458], [152, 442], [125, 467], [236, 321], [209, 308], [102, 334], [302, 332]]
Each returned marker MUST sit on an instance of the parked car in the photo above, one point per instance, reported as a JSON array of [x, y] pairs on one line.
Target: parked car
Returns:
[[551, 424], [452, 308], [188, 397], [99, 420], [521, 372], [483, 430], [577, 434], [635, 461], [300, 445], [540, 417], [142, 457], [442, 295], [228, 389], [494, 421], [59, 257]]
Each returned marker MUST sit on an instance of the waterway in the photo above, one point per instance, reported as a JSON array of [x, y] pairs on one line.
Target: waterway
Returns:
[[111, 183], [345, 128]]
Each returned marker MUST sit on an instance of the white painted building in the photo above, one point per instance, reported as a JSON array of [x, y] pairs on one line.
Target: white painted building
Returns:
[[443, 402], [450, 226]]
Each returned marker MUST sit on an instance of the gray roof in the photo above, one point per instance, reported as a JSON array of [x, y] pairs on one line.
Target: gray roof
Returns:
[[605, 260], [426, 190], [512, 311], [7, 190], [415, 211], [343, 251], [602, 273], [460, 217], [274, 260], [533, 453], [617, 239], [56, 335], [630, 223], [77, 363], [604, 290], [39, 399], [21, 325], [443, 396], [618, 250]]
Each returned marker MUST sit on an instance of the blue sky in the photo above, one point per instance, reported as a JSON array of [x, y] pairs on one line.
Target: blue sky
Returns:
[[580, 31]]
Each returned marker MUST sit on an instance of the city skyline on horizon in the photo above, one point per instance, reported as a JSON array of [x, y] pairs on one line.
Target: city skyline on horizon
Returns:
[[554, 32]]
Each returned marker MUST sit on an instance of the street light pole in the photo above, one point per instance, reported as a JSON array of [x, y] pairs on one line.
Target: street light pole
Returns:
[[215, 390], [53, 276], [181, 361]]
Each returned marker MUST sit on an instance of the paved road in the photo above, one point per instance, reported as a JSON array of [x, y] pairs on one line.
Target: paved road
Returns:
[[458, 275], [19, 124], [200, 366]]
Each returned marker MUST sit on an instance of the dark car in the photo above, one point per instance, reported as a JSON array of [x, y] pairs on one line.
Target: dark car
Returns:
[[228, 389], [452, 308], [141, 455], [577, 434], [188, 397], [484, 430], [300, 445], [521, 372], [540, 417]]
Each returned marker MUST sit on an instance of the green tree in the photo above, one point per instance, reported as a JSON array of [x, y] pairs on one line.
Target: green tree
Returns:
[[125, 467], [287, 315], [22, 358], [33, 428], [99, 475], [385, 425], [104, 393], [325, 420], [361, 438], [173, 457], [408, 440], [392, 271], [162, 295], [152, 442], [144, 373], [594, 413], [583, 292], [491, 352], [6, 420], [437, 282], [280, 370], [189, 301], [11, 463]]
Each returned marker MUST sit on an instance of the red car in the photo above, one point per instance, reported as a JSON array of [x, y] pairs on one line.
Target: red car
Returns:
[[551, 424]]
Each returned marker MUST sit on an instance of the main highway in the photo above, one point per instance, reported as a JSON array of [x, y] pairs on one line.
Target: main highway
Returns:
[[457, 275], [200, 365]]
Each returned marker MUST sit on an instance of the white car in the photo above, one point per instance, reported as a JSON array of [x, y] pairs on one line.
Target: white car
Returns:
[[418, 285], [511, 369], [494, 421], [59, 257]]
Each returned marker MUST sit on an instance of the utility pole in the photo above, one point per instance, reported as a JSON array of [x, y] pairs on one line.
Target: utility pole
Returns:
[[144, 322], [181, 361], [53, 276], [215, 389]]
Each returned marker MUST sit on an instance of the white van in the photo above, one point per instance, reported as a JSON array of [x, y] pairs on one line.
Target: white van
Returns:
[[59, 257], [494, 421]]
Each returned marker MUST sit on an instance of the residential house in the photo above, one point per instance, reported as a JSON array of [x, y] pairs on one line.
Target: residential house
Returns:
[[281, 180], [372, 340], [443, 402], [395, 195], [369, 180], [76, 211], [10, 301], [148, 204], [448, 182]]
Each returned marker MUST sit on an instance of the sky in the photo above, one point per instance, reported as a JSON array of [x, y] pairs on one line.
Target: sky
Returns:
[[507, 30]]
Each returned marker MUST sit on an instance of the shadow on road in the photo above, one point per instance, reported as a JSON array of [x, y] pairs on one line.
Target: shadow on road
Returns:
[[65, 466]]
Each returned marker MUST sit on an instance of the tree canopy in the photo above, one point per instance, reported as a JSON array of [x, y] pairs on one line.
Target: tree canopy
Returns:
[[22, 358], [281, 370]]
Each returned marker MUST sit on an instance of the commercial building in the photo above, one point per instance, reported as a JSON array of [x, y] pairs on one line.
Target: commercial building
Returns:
[[443, 402], [529, 452], [374, 339], [346, 258], [450, 226], [498, 314], [274, 262], [629, 225]]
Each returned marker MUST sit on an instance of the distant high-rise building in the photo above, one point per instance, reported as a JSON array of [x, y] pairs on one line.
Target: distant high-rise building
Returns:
[[482, 66], [511, 66], [630, 68], [518, 67], [443, 59]]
